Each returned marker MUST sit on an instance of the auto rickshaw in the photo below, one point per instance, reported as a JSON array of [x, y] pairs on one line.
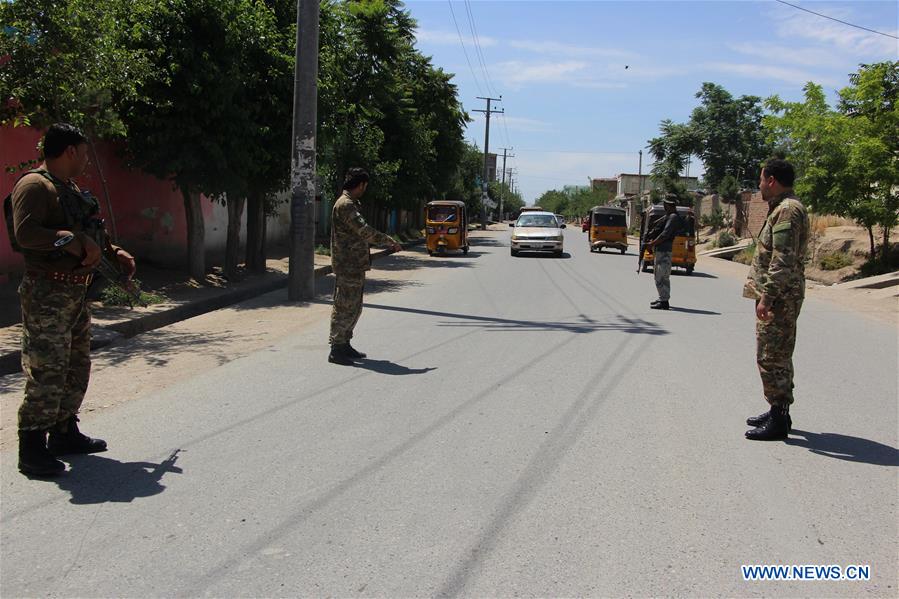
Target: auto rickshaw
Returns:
[[608, 229], [446, 225], [683, 248]]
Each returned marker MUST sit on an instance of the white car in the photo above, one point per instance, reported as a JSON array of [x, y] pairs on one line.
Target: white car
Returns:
[[537, 232]]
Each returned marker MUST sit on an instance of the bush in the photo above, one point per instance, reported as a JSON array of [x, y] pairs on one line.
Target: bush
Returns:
[[113, 296], [715, 219], [322, 250], [835, 261], [725, 239]]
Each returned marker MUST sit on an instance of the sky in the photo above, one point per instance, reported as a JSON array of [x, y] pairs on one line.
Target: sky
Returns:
[[585, 84]]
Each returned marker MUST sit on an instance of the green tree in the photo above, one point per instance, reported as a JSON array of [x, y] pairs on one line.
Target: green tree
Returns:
[[728, 134], [847, 160], [189, 121]]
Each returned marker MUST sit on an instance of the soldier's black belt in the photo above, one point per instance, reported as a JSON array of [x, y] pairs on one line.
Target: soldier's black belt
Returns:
[[62, 277]]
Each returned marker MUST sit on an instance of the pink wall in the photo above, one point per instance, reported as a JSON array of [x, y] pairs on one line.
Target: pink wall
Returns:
[[149, 212]]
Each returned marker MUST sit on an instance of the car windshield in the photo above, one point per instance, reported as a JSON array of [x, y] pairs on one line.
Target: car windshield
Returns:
[[442, 214], [537, 220]]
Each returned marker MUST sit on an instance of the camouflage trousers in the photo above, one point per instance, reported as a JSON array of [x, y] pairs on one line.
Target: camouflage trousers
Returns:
[[776, 339], [56, 343], [661, 268], [347, 307]]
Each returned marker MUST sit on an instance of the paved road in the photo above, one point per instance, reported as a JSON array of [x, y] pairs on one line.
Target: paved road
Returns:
[[524, 426]]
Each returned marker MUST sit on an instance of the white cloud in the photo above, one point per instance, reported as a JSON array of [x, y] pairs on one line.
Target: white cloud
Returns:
[[763, 71], [448, 38], [792, 24], [792, 54], [517, 73]]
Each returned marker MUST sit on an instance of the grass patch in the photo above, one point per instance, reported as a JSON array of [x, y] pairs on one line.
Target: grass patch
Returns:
[[746, 256], [835, 261], [819, 223], [113, 296]]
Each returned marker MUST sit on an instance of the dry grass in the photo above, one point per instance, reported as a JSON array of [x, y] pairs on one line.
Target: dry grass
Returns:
[[821, 222]]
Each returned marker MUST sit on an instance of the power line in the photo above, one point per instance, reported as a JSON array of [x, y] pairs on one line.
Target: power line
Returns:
[[477, 45], [464, 51], [838, 20]]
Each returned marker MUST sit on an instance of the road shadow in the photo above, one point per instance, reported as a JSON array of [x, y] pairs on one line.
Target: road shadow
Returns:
[[584, 325], [679, 272], [845, 447], [487, 242], [543, 255], [422, 260], [694, 311], [388, 367], [97, 479], [158, 346]]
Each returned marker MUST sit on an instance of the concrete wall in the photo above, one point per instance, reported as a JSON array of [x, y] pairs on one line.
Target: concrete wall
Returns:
[[148, 212]]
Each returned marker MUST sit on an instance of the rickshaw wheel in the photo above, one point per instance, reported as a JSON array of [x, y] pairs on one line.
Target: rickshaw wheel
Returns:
[[689, 270], [645, 268], [430, 253], [624, 251], [465, 250]]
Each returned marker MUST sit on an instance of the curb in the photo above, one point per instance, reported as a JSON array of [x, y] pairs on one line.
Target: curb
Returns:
[[102, 336]]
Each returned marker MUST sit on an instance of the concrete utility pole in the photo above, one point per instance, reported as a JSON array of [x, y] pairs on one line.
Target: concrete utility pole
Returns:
[[484, 183], [301, 273], [502, 191]]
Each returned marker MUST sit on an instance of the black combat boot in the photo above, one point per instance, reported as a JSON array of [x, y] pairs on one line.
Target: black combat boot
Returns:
[[339, 355], [34, 458], [659, 305], [65, 438], [763, 418], [775, 428], [353, 352]]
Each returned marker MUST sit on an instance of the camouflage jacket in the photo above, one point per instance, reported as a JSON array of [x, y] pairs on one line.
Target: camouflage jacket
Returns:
[[778, 268], [350, 238]]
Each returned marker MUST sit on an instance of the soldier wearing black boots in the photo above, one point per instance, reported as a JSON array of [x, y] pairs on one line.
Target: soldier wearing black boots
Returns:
[[777, 284]]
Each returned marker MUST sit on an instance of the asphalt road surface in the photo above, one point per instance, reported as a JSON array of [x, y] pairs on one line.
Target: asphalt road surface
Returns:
[[523, 427]]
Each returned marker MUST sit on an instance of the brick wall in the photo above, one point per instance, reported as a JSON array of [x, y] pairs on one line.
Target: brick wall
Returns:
[[757, 212]]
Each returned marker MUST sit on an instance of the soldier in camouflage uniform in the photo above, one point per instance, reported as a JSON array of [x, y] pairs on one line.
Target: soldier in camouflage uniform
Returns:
[[48, 215], [777, 284], [350, 259]]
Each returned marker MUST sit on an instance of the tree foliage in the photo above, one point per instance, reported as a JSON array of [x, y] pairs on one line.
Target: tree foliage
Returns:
[[725, 132], [847, 159]]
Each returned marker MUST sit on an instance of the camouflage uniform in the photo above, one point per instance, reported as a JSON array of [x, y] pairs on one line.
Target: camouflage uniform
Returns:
[[350, 258], [56, 316], [778, 272], [661, 270]]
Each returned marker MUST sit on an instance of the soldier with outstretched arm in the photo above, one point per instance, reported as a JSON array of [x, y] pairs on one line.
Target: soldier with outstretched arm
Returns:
[[50, 220], [777, 284], [350, 259]]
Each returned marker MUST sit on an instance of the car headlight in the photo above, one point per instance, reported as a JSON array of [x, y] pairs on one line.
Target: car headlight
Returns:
[[556, 238], [514, 237]]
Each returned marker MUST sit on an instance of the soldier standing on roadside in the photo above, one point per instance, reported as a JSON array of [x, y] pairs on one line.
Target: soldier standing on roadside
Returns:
[[661, 239], [350, 258], [777, 284], [49, 215]]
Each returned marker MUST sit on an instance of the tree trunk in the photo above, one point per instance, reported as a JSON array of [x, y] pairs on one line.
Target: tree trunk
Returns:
[[873, 252], [885, 251], [256, 233], [232, 247], [196, 235]]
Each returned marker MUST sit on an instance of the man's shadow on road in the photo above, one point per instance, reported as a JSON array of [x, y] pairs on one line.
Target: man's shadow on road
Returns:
[[96, 479], [844, 447], [388, 367]]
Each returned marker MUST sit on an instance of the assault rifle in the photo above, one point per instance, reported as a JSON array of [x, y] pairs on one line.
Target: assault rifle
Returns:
[[109, 267]]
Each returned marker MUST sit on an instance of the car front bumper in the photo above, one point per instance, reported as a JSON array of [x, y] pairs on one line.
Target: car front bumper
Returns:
[[536, 245]]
